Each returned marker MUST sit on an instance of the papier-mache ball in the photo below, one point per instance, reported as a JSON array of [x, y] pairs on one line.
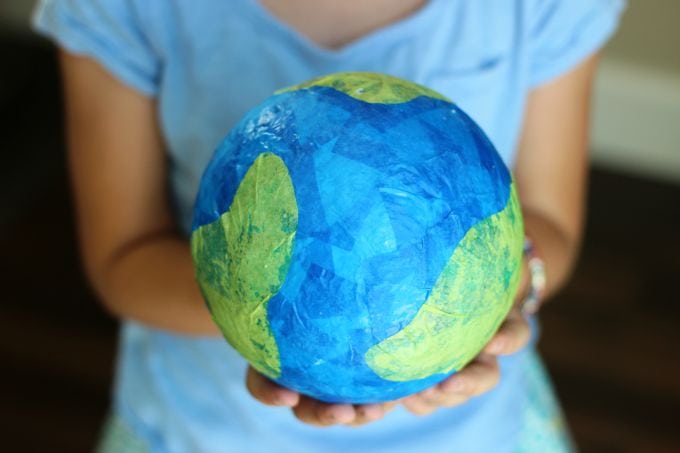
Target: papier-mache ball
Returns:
[[357, 238]]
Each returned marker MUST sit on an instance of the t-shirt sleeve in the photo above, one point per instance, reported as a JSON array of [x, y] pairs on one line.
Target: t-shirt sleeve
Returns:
[[563, 33], [109, 31]]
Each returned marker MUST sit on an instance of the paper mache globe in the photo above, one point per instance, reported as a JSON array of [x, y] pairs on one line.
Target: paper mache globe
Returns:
[[357, 238]]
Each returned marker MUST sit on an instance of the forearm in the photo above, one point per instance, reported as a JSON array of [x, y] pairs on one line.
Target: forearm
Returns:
[[552, 169], [556, 247], [152, 281], [135, 259]]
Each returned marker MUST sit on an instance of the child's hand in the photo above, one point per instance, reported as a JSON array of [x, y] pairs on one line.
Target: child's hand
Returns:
[[480, 375], [312, 411]]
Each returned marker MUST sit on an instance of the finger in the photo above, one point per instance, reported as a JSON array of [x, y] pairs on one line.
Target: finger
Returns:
[[479, 376], [430, 395], [436, 397], [512, 336], [318, 413], [367, 413], [268, 392], [305, 411], [419, 405]]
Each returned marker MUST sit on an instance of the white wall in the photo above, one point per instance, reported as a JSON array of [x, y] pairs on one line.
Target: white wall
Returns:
[[636, 124], [636, 120], [649, 35]]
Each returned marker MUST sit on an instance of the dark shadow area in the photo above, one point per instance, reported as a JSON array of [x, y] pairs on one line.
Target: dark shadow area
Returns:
[[56, 344], [610, 339]]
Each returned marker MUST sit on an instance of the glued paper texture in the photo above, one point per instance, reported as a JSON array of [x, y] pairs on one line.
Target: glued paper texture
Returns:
[[357, 238]]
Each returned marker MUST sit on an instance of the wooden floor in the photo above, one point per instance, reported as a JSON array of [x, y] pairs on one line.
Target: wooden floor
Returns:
[[610, 340]]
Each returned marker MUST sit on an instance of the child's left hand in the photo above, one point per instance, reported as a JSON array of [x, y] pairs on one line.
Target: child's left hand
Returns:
[[480, 375]]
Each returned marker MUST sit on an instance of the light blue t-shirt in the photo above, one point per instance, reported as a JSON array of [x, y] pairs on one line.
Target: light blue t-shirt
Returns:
[[207, 62]]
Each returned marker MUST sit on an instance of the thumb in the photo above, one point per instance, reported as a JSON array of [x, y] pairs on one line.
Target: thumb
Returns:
[[268, 392]]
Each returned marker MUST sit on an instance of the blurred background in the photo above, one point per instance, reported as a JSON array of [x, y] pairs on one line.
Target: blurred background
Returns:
[[610, 340]]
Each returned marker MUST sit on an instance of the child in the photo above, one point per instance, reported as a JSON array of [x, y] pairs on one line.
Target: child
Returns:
[[151, 88]]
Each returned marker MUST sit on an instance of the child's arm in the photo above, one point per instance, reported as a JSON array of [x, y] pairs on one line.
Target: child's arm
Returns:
[[137, 262], [551, 174], [552, 169]]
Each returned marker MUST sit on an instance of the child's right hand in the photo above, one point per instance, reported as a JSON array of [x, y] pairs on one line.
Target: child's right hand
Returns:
[[311, 411]]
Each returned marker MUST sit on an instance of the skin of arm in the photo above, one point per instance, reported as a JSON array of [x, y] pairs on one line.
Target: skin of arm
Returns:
[[552, 169], [134, 257]]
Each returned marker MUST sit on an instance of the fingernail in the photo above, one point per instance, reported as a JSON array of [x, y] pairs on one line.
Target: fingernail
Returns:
[[341, 414], [452, 385], [285, 399], [370, 412], [497, 345], [429, 392]]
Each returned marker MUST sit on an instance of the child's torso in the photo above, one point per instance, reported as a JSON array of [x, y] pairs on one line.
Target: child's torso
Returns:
[[210, 79]]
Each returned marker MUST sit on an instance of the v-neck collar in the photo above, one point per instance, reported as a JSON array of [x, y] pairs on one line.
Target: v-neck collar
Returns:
[[378, 37]]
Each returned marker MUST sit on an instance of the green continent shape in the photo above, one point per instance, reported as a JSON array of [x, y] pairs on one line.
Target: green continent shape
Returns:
[[370, 87], [469, 301], [243, 257]]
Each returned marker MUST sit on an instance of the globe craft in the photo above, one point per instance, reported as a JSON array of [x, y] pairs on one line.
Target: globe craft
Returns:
[[357, 238]]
